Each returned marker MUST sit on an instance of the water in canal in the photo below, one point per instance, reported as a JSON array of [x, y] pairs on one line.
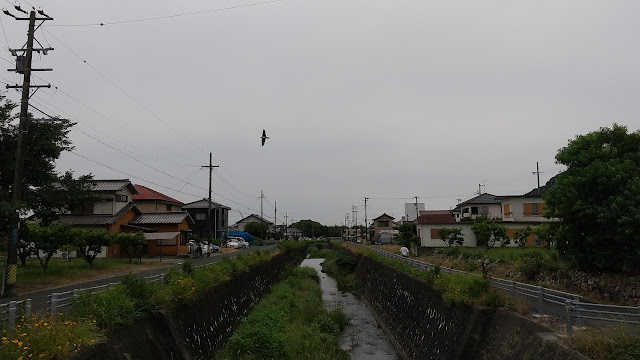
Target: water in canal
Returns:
[[362, 337]]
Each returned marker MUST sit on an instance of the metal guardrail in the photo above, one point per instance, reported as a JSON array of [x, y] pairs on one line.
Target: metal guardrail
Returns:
[[58, 301], [544, 300]]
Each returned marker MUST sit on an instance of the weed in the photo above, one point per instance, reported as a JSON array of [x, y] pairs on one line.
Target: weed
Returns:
[[111, 309], [620, 342]]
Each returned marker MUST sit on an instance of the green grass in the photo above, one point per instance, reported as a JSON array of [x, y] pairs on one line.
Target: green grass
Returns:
[[32, 272], [290, 324], [501, 253], [617, 342]]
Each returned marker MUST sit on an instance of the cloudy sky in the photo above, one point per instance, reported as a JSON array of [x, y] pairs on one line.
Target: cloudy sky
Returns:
[[383, 99]]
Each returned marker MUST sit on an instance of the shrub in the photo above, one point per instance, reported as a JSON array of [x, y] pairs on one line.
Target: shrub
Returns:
[[111, 309], [530, 265], [346, 263], [146, 296], [493, 299], [188, 268], [181, 290], [46, 337]]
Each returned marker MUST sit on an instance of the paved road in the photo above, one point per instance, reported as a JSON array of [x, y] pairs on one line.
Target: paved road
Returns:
[[39, 299]]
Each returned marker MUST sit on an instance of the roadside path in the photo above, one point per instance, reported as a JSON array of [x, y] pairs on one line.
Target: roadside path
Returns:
[[39, 299]]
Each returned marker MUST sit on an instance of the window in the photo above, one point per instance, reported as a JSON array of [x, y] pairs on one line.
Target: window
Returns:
[[166, 242], [474, 210], [465, 211], [507, 210], [484, 210], [168, 207], [434, 234], [383, 223], [122, 198], [533, 209], [201, 216]]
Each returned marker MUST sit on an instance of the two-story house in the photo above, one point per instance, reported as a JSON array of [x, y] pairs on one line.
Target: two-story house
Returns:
[[239, 226], [486, 205], [384, 228], [148, 200], [199, 211]]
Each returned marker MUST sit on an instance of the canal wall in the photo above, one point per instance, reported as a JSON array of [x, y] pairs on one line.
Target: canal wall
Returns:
[[197, 330], [422, 326]]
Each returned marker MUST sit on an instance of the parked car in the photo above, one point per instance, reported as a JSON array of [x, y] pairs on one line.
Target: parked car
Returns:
[[197, 249], [214, 248], [237, 243]]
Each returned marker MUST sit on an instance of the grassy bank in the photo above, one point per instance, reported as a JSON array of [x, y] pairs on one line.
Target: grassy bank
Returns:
[[609, 343], [290, 323], [46, 337]]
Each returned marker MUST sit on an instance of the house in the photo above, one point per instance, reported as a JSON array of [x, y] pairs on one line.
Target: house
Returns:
[[199, 211], [148, 200], [428, 226], [293, 232], [112, 211], [249, 219], [166, 232], [116, 212], [384, 228], [486, 205]]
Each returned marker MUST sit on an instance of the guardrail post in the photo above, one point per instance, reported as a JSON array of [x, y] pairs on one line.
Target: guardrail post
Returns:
[[578, 310], [512, 290], [540, 300], [54, 304], [27, 308], [12, 315], [569, 306], [76, 293]]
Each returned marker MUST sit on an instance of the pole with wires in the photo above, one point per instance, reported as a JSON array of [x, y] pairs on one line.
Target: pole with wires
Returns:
[[23, 66]]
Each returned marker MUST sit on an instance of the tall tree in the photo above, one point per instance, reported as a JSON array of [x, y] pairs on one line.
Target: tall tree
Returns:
[[45, 191], [598, 200]]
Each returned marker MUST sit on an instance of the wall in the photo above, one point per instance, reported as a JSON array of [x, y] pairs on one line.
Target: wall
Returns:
[[422, 326], [199, 330], [426, 240], [516, 207]]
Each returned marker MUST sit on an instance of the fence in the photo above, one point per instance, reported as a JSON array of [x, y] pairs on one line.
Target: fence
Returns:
[[58, 301], [545, 301]]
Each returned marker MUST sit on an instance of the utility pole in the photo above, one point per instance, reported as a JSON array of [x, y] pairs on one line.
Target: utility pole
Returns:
[[275, 218], [416, 208], [210, 166], [366, 222], [537, 172], [23, 66], [261, 198], [286, 218]]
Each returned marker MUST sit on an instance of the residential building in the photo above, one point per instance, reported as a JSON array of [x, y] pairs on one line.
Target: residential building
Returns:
[[250, 219], [384, 228], [166, 232], [149, 200], [486, 205], [199, 211]]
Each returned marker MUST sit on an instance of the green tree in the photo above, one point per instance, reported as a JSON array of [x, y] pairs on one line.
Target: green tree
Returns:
[[451, 236], [597, 198], [257, 229], [131, 243], [48, 240], [408, 234], [91, 243], [488, 234], [45, 191], [310, 228], [520, 236]]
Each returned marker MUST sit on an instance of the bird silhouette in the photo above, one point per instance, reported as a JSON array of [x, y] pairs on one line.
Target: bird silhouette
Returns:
[[264, 136]]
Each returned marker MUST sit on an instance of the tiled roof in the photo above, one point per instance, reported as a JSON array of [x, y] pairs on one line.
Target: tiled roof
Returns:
[[436, 219], [204, 204], [96, 219], [113, 185], [485, 198], [161, 235], [144, 193], [257, 217], [169, 217], [384, 215]]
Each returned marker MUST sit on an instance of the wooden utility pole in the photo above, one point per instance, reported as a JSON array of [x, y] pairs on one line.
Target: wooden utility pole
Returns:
[[23, 66], [537, 172], [209, 222]]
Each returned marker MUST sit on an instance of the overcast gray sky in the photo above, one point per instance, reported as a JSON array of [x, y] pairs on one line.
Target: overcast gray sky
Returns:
[[377, 98]]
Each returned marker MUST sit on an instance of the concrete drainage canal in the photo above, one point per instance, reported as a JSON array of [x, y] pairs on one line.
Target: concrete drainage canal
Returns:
[[362, 338]]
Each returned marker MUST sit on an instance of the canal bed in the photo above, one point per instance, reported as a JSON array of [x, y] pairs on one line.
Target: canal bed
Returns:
[[362, 338]]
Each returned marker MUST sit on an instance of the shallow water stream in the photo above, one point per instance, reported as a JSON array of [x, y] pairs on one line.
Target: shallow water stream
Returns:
[[362, 337]]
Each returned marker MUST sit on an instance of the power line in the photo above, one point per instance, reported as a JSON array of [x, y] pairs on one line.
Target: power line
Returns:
[[171, 16], [122, 90]]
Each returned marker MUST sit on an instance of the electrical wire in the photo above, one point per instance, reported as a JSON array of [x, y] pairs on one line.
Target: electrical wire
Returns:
[[171, 16], [123, 91]]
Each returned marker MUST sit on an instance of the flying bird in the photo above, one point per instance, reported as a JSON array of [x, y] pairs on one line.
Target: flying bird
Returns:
[[264, 136]]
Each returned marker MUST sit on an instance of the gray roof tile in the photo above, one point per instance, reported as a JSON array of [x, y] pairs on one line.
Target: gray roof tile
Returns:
[[172, 217]]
